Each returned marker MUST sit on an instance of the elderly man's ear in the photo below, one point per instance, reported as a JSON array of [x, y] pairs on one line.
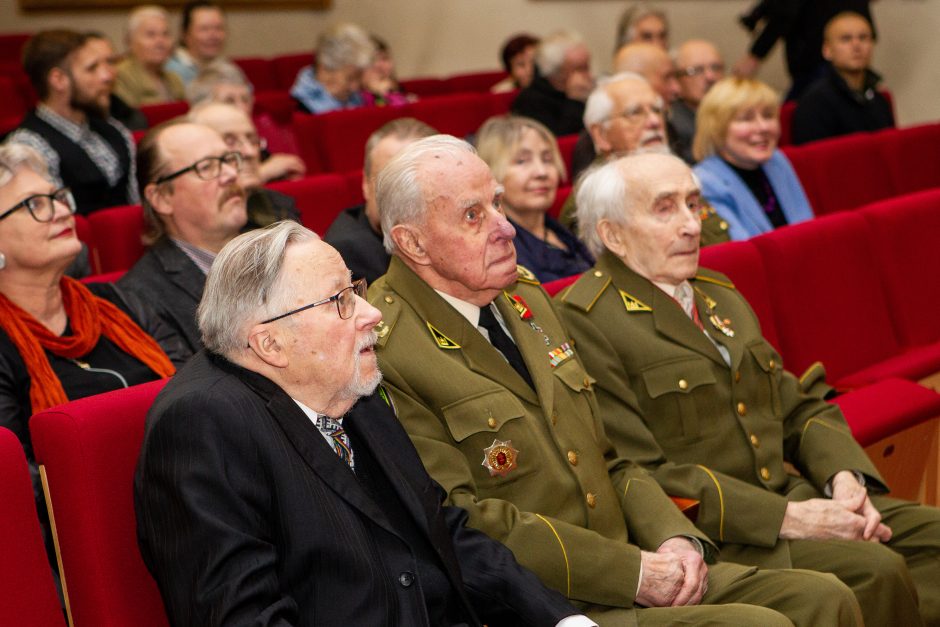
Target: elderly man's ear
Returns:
[[408, 242], [599, 137], [612, 236], [265, 346]]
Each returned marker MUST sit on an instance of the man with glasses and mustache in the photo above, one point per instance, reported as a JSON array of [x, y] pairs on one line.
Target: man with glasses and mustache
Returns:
[[86, 149], [276, 487], [194, 204]]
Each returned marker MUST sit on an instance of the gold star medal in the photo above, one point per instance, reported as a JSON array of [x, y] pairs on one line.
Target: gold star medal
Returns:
[[500, 458]]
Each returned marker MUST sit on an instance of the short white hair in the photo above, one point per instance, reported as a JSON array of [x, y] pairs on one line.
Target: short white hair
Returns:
[[219, 72], [601, 195], [398, 189], [626, 28], [550, 55], [600, 106], [14, 157], [243, 285], [141, 13], [344, 44]]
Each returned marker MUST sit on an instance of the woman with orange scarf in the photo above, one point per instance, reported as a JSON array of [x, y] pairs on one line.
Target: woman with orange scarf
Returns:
[[58, 340]]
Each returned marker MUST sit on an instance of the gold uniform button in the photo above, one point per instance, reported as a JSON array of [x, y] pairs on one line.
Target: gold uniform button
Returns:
[[591, 500], [598, 273], [491, 422], [554, 417], [764, 473], [742, 409], [771, 364], [683, 384], [572, 458], [755, 441], [587, 382], [737, 376], [389, 300]]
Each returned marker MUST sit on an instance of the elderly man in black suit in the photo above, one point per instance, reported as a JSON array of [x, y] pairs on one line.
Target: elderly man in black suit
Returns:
[[274, 487], [194, 204]]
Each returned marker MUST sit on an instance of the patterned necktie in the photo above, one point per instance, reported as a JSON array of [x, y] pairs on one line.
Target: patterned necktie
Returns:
[[334, 430]]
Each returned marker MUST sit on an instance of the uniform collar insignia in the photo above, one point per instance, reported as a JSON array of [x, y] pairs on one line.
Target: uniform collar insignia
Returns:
[[721, 324], [518, 303], [442, 340], [633, 304], [525, 275], [381, 329]]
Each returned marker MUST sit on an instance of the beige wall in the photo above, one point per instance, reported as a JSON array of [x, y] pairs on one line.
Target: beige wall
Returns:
[[436, 37]]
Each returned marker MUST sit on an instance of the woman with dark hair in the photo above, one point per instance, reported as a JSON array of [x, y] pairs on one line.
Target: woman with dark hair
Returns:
[[518, 57]]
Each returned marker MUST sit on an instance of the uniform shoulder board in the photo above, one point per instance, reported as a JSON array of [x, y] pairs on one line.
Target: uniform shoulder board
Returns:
[[525, 275], [710, 276], [584, 292]]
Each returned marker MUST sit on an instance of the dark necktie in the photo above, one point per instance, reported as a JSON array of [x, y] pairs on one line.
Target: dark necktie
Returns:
[[504, 344], [334, 430]]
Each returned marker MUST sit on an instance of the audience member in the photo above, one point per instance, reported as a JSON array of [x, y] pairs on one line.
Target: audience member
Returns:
[[224, 83], [561, 84], [698, 66], [85, 149], [357, 232], [657, 67], [477, 362], [60, 340], [846, 99], [264, 206], [142, 78], [202, 40], [193, 206], [127, 115], [334, 81], [688, 386], [801, 24], [518, 58], [523, 156], [641, 23], [288, 476], [748, 181], [380, 86]]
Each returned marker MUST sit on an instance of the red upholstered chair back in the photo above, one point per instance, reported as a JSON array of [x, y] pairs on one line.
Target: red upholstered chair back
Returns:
[[307, 130], [561, 196], [320, 198], [903, 232], [117, 232], [286, 67], [259, 72], [27, 592], [500, 103], [89, 449], [742, 263], [341, 135], [12, 105], [786, 122], [11, 46], [826, 294], [354, 185], [912, 157], [424, 87], [455, 114], [476, 81], [566, 148], [157, 113]]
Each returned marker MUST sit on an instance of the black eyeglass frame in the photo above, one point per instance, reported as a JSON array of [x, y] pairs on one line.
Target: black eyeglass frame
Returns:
[[222, 159], [65, 192], [359, 288]]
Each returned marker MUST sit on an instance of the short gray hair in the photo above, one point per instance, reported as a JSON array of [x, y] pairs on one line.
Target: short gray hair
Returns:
[[400, 128], [626, 28], [601, 195], [202, 88], [142, 13], [344, 44], [14, 156], [600, 106], [243, 285], [550, 55], [398, 190]]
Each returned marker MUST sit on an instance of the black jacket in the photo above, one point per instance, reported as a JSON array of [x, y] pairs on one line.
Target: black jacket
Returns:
[[540, 101], [361, 247]]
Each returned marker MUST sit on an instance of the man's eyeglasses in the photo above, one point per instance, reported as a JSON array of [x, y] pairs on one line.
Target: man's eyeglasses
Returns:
[[345, 300], [208, 168], [42, 206], [698, 70], [638, 113]]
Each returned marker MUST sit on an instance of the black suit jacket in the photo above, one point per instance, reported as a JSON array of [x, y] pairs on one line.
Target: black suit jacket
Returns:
[[167, 280], [361, 247], [247, 516]]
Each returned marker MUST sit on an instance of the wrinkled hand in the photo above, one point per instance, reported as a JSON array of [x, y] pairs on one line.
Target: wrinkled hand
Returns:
[[827, 519], [282, 166], [846, 488], [746, 66], [674, 575]]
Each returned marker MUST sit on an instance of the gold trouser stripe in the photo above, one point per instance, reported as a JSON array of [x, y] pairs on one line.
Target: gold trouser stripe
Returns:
[[563, 552], [721, 503]]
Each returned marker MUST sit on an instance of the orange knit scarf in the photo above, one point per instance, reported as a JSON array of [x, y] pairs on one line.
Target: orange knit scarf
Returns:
[[89, 317]]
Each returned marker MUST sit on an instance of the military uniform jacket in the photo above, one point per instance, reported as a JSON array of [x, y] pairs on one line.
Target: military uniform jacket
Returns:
[[557, 496], [706, 430]]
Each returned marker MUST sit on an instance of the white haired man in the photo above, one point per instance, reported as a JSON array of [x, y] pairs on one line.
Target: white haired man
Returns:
[[275, 488], [688, 387], [334, 81], [481, 368]]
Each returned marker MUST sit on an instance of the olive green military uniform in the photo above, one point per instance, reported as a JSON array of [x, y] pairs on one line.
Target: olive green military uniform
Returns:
[[721, 434], [533, 467]]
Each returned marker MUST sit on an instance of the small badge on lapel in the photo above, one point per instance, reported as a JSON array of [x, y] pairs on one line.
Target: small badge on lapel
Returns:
[[500, 458], [558, 355], [722, 324], [442, 340], [518, 303], [633, 304]]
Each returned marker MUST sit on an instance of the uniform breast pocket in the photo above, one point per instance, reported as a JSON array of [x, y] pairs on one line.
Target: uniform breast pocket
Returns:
[[490, 430], [769, 372], [678, 394]]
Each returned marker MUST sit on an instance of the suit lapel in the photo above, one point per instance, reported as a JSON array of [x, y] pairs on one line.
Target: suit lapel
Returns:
[[534, 351], [735, 349], [180, 269]]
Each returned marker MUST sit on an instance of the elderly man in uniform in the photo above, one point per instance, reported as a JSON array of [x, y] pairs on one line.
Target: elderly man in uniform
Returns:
[[623, 116], [689, 388], [492, 392]]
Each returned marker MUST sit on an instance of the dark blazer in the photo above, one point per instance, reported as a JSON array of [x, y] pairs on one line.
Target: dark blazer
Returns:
[[168, 280], [361, 247], [246, 516]]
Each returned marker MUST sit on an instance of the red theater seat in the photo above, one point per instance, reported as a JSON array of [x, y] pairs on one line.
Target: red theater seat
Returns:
[[88, 451], [259, 72], [912, 157], [319, 198], [11, 46], [424, 87], [561, 197], [566, 148], [117, 235], [455, 114], [27, 592], [286, 67], [341, 135], [500, 103], [476, 81], [157, 113], [354, 185], [786, 122]]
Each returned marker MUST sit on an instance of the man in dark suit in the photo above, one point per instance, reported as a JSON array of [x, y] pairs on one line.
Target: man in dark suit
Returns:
[[194, 204], [268, 493], [356, 233]]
